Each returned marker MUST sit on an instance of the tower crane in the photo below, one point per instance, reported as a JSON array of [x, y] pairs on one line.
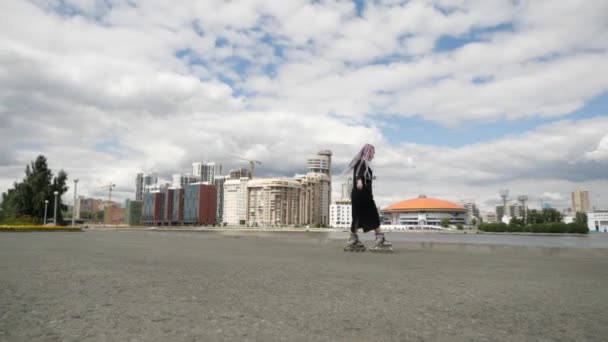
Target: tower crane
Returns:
[[109, 187], [252, 163]]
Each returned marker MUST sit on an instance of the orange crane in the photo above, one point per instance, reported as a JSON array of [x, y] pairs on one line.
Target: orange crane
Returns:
[[252, 163]]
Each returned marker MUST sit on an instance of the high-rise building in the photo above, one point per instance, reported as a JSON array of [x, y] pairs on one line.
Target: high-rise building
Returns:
[[219, 186], [580, 201], [472, 210], [206, 171], [347, 189], [199, 204], [273, 202], [513, 210], [235, 201], [239, 173], [315, 197], [139, 187], [180, 180]]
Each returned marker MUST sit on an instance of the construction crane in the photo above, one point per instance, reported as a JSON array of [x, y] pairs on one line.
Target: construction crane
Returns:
[[252, 163], [109, 187]]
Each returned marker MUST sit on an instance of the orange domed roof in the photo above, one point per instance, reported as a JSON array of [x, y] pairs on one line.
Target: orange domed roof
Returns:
[[424, 203]]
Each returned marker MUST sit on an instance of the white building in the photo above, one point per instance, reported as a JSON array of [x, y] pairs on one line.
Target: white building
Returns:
[[235, 202], [597, 221], [206, 171], [472, 210], [273, 202], [314, 198], [340, 214]]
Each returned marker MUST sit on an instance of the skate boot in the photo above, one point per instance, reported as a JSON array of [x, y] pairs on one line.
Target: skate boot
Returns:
[[354, 244], [381, 245]]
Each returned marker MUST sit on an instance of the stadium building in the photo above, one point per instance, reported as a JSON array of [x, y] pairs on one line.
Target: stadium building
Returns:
[[422, 213]]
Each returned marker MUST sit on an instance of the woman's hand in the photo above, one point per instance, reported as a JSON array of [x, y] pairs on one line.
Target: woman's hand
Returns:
[[359, 184]]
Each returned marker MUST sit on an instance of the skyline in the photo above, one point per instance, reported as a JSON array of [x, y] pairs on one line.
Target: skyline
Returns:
[[482, 95]]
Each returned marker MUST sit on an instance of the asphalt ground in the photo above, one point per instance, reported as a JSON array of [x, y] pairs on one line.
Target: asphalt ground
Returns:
[[180, 286]]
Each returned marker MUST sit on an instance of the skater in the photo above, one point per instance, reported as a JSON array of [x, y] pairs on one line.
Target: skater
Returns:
[[364, 210]]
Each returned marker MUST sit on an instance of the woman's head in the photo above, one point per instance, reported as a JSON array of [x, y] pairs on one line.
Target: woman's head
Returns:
[[367, 152]]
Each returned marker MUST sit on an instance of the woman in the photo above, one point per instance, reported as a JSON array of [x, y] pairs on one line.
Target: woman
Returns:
[[364, 210]]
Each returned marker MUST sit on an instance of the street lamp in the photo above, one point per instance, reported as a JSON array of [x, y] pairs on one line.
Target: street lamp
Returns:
[[55, 211], [74, 205], [46, 203]]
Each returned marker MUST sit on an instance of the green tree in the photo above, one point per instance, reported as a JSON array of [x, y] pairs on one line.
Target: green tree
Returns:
[[27, 198], [551, 215], [445, 222], [580, 218], [474, 222]]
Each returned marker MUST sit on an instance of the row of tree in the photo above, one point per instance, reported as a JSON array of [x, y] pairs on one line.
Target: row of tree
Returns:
[[25, 201]]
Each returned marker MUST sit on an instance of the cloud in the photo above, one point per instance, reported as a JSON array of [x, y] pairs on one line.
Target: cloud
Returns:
[[108, 91], [601, 152]]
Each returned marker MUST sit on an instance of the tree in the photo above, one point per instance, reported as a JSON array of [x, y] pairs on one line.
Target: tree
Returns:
[[580, 218], [547, 215], [27, 197], [474, 222], [445, 222]]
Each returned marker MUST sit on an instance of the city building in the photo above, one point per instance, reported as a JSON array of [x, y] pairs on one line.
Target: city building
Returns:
[[133, 212], [314, 199], [113, 214], [152, 208], [144, 183], [423, 212], [272, 202], [340, 214], [181, 180], [597, 221], [199, 204], [139, 187], [472, 210], [347, 188], [235, 202], [167, 207], [87, 208], [315, 196], [489, 218], [206, 171], [513, 210], [218, 182], [177, 214], [239, 173], [580, 201]]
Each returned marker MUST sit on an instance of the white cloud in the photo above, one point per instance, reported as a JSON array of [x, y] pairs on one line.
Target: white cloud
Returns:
[[601, 152], [149, 82]]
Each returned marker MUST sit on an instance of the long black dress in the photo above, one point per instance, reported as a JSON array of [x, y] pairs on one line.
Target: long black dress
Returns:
[[364, 210]]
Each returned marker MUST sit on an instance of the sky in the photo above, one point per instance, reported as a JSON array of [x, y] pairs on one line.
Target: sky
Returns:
[[481, 95]]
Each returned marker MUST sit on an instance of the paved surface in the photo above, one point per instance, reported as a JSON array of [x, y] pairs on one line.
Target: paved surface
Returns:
[[153, 286]]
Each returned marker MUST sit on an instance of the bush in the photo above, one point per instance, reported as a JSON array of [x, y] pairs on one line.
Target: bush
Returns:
[[547, 228], [459, 226], [493, 227]]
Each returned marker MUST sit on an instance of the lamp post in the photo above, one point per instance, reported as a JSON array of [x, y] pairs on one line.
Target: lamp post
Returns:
[[46, 204], [55, 211], [74, 205]]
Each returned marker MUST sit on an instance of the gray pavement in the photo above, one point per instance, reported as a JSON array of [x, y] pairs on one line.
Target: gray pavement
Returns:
[[180, 286]]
